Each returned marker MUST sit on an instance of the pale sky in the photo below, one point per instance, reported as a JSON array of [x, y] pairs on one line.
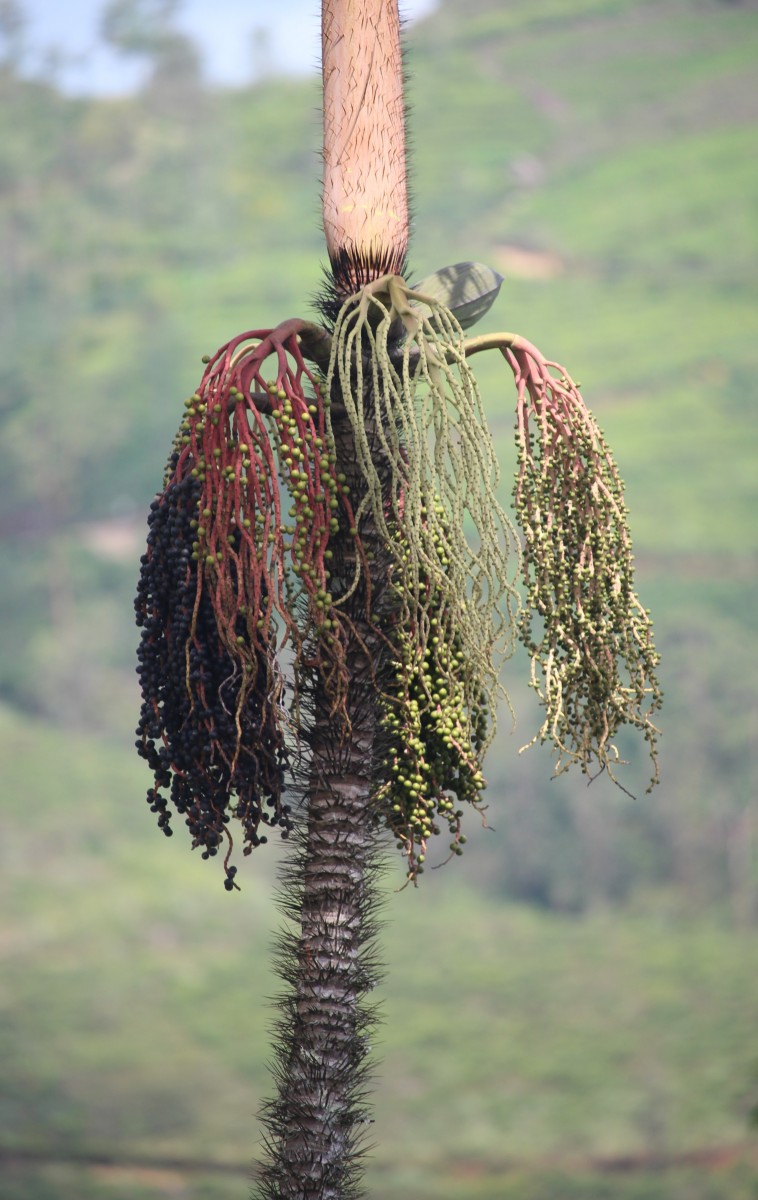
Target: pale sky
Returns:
[[222, 28]]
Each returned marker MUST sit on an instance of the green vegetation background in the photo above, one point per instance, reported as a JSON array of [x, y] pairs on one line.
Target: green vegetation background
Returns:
[[582, 985]]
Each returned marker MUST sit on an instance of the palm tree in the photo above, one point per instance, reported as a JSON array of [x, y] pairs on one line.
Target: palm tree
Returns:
[[396, 621]]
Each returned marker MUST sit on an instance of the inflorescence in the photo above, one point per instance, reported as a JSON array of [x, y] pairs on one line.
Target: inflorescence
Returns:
[[427, 460], [436, 724], [238, 567], [208, 730], [430, 490], [228, 579], [590, 640]]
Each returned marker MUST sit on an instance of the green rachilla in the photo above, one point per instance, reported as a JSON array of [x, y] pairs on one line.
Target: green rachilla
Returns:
[[452, 548]]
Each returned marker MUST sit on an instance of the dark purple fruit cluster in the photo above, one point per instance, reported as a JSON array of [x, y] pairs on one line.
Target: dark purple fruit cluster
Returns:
[[210, 726]]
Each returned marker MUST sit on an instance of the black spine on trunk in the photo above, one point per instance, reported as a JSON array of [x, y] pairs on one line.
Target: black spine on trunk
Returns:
[[316, 1125]]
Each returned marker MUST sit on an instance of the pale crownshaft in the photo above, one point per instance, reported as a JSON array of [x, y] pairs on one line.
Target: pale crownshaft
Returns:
[[365, 204]]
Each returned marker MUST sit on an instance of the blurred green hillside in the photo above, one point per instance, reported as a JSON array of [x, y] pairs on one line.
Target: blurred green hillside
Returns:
[[592, 986]]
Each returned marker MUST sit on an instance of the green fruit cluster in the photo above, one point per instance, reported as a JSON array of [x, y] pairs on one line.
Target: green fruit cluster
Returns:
[[590, 640], [435, 723]]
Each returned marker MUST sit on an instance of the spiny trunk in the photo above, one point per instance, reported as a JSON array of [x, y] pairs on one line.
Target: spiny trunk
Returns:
[[316, 1124]]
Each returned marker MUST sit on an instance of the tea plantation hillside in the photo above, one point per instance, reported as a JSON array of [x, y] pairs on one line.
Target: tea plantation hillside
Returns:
[[521, 1053], [580, 985]]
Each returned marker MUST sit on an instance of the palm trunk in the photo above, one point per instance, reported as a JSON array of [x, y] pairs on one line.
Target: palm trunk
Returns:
[[315, 1124]]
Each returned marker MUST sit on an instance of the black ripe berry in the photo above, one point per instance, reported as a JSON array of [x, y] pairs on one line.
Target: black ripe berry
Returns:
[[214, 745]]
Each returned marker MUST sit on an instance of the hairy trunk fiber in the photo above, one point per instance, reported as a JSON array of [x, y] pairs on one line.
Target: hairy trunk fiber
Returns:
[[316, 1124]]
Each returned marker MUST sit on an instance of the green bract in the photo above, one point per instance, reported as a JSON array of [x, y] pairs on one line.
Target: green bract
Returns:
[[467, 289]]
